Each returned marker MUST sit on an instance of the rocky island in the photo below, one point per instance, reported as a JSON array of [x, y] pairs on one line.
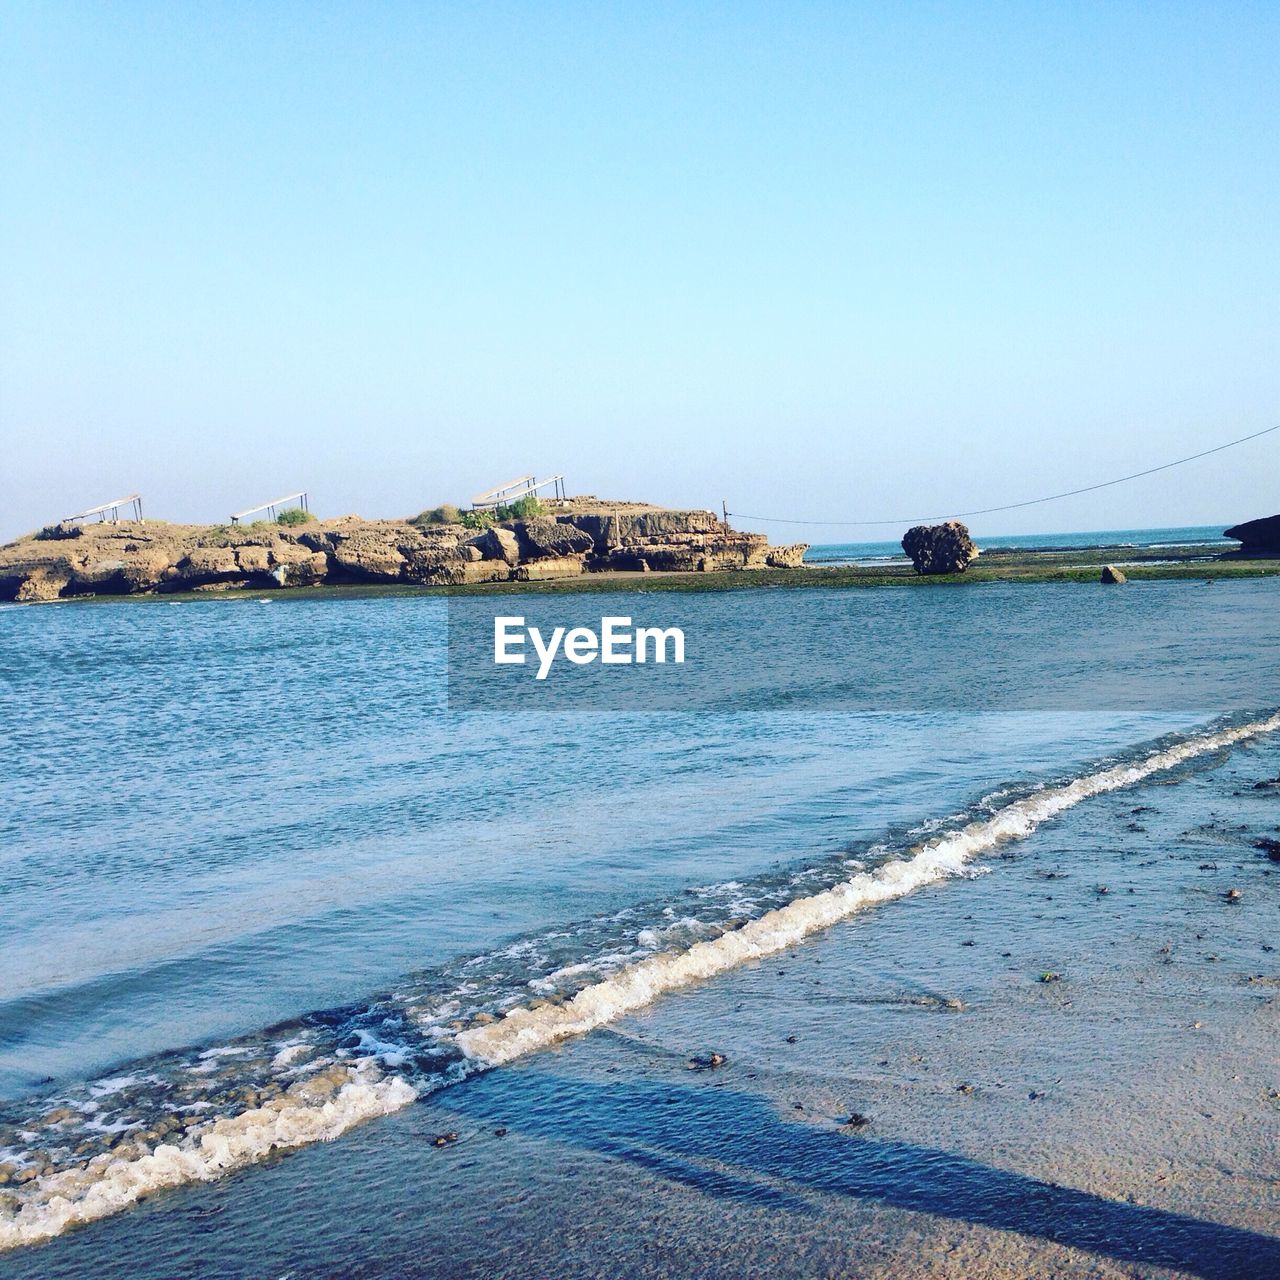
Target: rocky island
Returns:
[[538, 541]]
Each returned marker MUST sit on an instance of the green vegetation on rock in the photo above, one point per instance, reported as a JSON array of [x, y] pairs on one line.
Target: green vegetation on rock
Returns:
[[445, 513], [521, 509], [481, 518]]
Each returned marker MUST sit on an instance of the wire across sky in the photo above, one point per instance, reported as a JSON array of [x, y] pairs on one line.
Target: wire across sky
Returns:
[[1014, 506]]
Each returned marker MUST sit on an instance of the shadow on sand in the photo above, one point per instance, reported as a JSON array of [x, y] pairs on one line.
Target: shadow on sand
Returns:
[[735, 1146]]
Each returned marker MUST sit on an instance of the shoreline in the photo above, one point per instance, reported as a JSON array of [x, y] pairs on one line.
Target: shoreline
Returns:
[[1163, 564], [959, 1116]]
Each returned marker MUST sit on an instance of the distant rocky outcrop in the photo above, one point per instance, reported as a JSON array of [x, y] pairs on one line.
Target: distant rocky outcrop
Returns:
[[1257, 537], [940, 548], [1110, 574], [573, 536]]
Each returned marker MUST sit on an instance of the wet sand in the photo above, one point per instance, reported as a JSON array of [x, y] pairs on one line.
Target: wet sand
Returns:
[[1122, 1119]]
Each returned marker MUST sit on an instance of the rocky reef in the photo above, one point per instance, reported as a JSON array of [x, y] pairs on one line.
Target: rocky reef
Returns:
[[570, 536], [940, 548], [1257, 537]]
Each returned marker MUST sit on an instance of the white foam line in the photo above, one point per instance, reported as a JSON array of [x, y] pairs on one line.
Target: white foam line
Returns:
[[523, 1030], [107, 1184]]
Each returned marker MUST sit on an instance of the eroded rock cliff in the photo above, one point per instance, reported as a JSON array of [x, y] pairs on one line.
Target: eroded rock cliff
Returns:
[[571, 537], [1257, 537], [940, 548]]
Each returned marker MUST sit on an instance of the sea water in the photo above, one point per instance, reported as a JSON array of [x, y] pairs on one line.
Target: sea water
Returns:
[[261, 879], [877, 552]]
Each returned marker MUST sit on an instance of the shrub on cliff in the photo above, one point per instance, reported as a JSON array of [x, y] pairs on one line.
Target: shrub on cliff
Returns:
[[294, 515], [445, 513], [521, 509]]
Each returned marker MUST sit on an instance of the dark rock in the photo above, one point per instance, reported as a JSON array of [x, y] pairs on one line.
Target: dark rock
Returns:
[[940, 548], [1257, 537], [498, 544], [1111, 574], [1268, 846], [546, 538], [708, 1063]]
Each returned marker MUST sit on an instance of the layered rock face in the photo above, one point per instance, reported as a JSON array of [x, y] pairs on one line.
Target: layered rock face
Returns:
[[940, 548], [631, 536], [1257, 537], [574, 536]]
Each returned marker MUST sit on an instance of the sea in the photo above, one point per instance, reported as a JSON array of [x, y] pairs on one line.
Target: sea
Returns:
[[267, 882], [1208, 537]]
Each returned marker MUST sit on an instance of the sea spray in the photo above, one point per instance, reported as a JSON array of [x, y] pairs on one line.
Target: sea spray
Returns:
[[359, 1089]]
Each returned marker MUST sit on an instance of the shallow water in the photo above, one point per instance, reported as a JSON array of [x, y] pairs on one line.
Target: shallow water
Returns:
[[259, 882], [1117, 1123]]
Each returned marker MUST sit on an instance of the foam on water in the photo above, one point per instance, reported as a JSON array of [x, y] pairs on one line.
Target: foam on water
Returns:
[[525, 1029], [106, 1185], [232, 1105]]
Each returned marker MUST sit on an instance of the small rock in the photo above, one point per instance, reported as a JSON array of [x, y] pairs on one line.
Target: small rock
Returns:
[[1049, 976], [1110, 574], [1102, 890], [1268, 846], [444, 1139], [964, 1087], [1233, 895], [708, 1063], [791, 1039], [855, 1120], [1036, 1094], [500, 1131]]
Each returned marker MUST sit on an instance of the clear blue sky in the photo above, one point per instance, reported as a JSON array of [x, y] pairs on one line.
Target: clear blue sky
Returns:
[[818, 259]]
